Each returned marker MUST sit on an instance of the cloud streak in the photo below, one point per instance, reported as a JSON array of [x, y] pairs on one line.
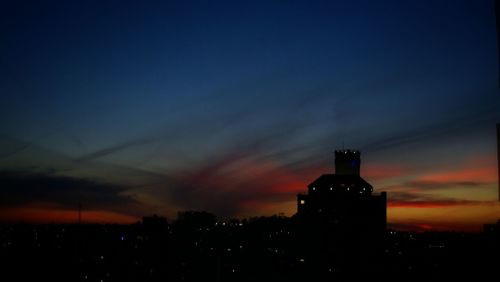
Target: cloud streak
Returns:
[[420, 200], [236, 184], [422, 185], [468, 123], [21, 188], [11, 147]]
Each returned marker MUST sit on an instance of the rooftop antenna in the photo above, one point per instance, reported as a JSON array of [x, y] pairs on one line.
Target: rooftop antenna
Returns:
[[498, 158], [80, 212], [497, 15]]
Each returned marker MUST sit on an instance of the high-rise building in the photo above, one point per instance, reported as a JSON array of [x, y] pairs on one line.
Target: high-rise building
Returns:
[[342, 221], [344, 198]]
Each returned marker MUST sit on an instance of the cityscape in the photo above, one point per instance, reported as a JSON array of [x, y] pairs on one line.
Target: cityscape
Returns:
[[339, 233], [249, 140]]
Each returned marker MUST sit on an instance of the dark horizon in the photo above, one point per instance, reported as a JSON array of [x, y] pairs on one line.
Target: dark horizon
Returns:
[[196, 247]]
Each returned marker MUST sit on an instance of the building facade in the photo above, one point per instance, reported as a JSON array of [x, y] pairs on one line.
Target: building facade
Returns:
[[343, 223], [344, 198]]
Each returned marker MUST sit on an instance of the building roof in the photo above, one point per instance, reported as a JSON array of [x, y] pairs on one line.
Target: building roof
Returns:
[[354, 182]]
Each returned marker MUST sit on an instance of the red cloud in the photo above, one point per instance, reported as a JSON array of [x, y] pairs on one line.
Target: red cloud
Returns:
[[239, 184], [382, 171], [483, 174], [429, 226], [437, 203]]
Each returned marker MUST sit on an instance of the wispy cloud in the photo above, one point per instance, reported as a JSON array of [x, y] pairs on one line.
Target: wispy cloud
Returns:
[[10, 147], [21, 188], [421, 200], [468, 123], [422, 185], [237, 184], [114, 149]]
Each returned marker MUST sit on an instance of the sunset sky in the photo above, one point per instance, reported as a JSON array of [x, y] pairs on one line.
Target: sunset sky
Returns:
[[233, 107]]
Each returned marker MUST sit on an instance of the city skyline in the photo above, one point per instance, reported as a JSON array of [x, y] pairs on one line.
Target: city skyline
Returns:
[[234, 108]]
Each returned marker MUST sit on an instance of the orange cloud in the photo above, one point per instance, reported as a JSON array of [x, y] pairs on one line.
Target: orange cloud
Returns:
[[466, 216], [437, 203], [238, 185], [382, 171], [483, 174]]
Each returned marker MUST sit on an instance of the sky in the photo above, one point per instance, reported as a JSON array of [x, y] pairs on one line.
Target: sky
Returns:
[[139, 107]]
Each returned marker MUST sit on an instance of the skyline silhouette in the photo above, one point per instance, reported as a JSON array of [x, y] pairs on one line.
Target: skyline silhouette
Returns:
[[267, 140], [198, 247]]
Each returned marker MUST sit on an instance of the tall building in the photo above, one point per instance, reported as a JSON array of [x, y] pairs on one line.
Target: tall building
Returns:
[[344, 198], [342, 221]]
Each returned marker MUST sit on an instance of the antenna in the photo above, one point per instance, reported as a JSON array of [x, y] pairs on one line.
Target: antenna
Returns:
[[498, 158], [79, 213], [497, 14]]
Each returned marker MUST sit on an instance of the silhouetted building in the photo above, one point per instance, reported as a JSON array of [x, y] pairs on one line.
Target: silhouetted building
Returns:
[[154, 220], [154, 223], [492, 239], [344, 198], [341, 217], [492, 228]]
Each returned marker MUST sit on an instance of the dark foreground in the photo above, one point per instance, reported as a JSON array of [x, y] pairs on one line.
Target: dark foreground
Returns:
[[262, 249]]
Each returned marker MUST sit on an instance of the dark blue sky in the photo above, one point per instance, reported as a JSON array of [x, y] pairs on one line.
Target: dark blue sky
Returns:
[[141, 93]]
